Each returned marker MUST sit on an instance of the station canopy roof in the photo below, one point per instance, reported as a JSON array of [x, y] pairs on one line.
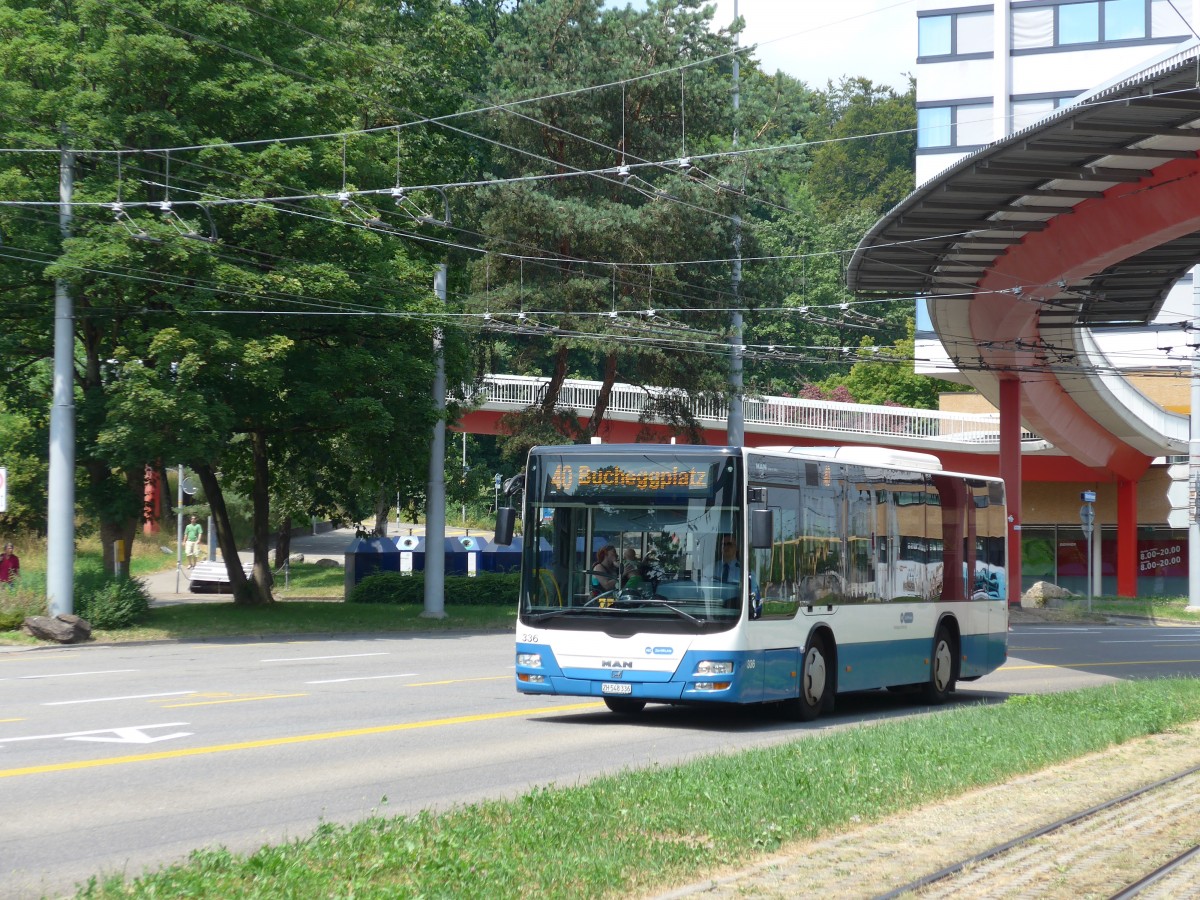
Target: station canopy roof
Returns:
[[944, 237]]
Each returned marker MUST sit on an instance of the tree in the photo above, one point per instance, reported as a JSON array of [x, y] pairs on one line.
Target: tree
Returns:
[[590, 253], [197, 331], [884, 376], [867, 158]]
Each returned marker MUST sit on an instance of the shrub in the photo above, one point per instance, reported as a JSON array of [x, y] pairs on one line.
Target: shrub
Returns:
[[117, 603], [18, 602], [486, 589]]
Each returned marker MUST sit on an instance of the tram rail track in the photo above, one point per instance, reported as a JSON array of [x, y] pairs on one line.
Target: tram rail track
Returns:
[[1089, 851], [1122, 822]]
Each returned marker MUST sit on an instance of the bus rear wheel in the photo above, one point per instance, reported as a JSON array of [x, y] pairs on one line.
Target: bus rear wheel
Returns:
[[942, 677], [815, 682], [623, 706]]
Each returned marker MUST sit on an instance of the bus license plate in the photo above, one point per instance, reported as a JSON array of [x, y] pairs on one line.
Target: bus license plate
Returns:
[[616, 687]]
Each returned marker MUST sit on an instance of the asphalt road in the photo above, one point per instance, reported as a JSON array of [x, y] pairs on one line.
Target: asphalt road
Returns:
[[120, 757]]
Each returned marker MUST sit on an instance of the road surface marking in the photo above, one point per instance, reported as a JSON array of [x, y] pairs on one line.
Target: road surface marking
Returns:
[[70, 674], [76, 735], [297, 739], [132, 736], [458, 681], [127, 697], [340, 656], [1098, 665], [363, 678], [230, 700]]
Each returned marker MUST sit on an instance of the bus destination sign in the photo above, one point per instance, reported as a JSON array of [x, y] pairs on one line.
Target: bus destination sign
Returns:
[[623, 478]]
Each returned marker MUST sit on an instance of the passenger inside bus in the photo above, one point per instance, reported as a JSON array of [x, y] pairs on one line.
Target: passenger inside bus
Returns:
[[632, 576], [606, 571]]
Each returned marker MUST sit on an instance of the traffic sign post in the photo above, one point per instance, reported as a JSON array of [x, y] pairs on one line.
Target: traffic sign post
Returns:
[[1087, 518]]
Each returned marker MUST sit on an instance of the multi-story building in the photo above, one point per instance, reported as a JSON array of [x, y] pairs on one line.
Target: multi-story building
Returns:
[[986, 71]]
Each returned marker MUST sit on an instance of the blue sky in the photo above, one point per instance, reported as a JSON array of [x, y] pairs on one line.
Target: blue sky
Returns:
[[819, 40]]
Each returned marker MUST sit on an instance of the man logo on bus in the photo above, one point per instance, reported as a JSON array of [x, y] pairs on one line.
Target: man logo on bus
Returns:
[[906, 618], [617, 664]]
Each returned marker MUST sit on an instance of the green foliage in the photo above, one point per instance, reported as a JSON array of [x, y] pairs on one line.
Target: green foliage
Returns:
[[19, 601], [867, 158], [114, 603], [884, 376], [194, 350], [606, 230], [23, 452], [485, 589]]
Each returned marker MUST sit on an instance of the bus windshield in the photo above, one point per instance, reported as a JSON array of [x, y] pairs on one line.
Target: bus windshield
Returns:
[[624, 539]]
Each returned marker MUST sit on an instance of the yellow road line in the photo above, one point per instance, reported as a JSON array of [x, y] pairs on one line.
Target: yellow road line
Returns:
[[12, 720], [1097, 665], [234, 700], [457, 681], [296, 739]]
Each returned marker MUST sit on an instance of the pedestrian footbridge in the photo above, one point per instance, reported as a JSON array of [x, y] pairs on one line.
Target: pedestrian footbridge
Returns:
[[768, 420]]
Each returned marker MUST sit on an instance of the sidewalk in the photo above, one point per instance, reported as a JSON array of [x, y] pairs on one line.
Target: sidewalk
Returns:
[[170, 586]]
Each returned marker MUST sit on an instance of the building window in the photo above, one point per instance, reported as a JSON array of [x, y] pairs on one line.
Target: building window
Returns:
[[1124, 20], [958, 34], [973, 124], [967, 124], [1027, 110], [1165, 20], [935, 35], [1079, 23], [935, 126], [1074, 23]]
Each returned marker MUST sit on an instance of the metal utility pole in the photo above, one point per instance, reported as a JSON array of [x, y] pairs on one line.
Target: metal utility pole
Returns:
[[1087, 518], [735, 428], [1194, 465], [179, 528], [435, 510], [60, 511]]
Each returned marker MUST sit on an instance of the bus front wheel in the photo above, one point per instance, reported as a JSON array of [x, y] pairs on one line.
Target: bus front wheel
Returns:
[[815, 682], [942, 676], [624, 706]]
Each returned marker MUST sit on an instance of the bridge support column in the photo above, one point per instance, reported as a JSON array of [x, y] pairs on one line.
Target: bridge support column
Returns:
[[1010, 471], [1127, 524], [151, 500]]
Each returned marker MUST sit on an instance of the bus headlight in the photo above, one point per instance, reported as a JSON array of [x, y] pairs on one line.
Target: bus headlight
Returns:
[[710, 686], [530, 660], [714, 667]]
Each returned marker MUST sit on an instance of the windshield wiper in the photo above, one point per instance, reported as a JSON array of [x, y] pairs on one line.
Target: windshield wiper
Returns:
[[683, 614], [567, 611]]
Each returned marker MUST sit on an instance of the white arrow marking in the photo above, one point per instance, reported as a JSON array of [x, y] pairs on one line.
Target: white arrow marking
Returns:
[[83, 735], [133, 736]]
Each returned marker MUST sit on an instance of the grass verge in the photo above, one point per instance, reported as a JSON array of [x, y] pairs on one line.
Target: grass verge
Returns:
[[627, 834], [215, 620]]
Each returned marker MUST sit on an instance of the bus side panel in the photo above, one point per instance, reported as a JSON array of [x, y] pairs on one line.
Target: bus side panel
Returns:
[[781, 676], [986, 651], [868, 665]]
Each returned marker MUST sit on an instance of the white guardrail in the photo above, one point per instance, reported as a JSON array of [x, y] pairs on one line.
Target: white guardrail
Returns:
[[785, 416]]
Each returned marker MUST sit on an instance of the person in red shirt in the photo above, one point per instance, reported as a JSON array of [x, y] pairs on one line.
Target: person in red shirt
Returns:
[[10, 565]]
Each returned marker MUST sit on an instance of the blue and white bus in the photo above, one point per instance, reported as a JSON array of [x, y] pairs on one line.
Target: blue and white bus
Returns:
[[755, 575]]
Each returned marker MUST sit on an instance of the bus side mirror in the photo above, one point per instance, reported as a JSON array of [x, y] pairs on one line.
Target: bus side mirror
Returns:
[[762, 528], [506, 523]]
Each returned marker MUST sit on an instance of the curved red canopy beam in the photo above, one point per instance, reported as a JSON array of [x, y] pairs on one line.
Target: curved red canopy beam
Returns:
[[1098, 233]]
